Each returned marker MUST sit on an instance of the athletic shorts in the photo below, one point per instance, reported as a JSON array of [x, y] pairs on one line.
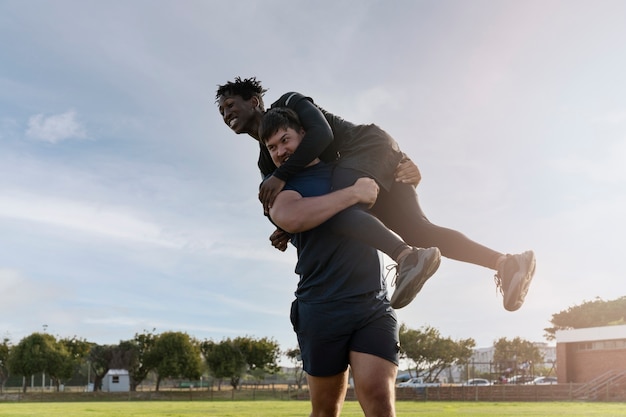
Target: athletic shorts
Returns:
[[372, 152], [328, 332]]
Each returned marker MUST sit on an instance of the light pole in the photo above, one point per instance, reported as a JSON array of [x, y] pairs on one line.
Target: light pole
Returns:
[[43, 373]]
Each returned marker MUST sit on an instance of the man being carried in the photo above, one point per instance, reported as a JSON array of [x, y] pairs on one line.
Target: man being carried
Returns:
[[364, 151]]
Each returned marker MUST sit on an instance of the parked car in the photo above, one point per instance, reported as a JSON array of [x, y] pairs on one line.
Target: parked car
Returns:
[[417, 382], [520, 379], [477, 381], [543, 380]]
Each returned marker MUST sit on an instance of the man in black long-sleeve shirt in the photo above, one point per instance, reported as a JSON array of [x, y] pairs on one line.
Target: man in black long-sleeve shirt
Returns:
[[357, 151]]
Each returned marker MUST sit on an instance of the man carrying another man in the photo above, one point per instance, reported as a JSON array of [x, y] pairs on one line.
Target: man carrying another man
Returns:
[[341, 315]]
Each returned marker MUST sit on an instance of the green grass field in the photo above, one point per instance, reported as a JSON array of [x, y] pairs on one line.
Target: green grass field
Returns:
[[301, 408]]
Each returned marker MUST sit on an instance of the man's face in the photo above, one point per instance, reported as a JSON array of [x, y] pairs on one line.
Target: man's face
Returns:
[[283, 144], [239, 114]]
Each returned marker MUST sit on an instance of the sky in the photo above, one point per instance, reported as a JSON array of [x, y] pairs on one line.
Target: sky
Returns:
[[127, 205]]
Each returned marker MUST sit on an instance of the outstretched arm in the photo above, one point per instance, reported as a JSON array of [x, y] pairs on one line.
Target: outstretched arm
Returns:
[[294, 213], [317, 138]]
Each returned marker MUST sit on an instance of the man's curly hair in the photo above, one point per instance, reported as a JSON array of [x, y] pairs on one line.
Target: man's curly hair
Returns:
[[246, 88]]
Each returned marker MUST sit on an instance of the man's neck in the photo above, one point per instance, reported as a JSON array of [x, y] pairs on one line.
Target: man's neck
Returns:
[[253, 131]]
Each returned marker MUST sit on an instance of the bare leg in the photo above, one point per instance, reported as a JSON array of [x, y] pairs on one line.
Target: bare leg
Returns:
[[327, 394], [374, 383]]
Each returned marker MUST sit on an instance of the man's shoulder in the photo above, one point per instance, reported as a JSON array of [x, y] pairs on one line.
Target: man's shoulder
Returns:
[[290, 99], [311, 181]]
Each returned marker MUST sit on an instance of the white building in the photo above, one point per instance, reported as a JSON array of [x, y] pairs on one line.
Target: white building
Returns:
[[116, 380]]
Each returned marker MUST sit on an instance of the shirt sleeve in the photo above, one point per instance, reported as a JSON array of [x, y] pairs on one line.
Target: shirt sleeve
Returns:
[[265, 163], [318, 133]]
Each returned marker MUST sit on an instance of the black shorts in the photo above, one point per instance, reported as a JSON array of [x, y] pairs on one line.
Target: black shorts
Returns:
[[328, 332], [373, 153]]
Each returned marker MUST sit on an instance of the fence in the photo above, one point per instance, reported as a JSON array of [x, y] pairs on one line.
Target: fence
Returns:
[[612, 391], [505, 392]]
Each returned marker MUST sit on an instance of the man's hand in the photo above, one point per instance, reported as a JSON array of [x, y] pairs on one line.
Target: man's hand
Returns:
[[268, 192], [280, 239], [366, 190], [408, 173]]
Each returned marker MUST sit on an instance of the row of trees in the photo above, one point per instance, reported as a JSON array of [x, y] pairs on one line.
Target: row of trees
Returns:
[[177, 355], [167, 355], [430, 354]]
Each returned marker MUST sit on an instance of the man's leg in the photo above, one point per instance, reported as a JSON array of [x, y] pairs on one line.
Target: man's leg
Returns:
[[358, 223], [327, 394], [415, 265], [399, 210], [374, 383]]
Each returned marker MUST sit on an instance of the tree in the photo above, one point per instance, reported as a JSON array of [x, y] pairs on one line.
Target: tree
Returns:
[[431, 353], [225, 360], [589, 314], [516, 355], [175, 355], [5, 350], [77, 350], [233, 358], [60, 364], [260, 354], [40, 352], [137, 352], [296, 357], [100, 357]]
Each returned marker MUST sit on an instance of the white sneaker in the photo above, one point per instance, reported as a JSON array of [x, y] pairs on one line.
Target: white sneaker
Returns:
[[514, 277], [412, 274]]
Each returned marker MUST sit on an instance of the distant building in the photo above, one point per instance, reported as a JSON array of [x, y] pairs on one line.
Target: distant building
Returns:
[[586, 354], [482, 358], [116, 380], [481, 362]]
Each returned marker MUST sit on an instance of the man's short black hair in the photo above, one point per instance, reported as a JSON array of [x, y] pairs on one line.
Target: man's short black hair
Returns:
[[276, 119], [246, 88]]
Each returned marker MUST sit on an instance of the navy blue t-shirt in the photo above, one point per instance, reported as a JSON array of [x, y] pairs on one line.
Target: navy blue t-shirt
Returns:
[[330, 266]]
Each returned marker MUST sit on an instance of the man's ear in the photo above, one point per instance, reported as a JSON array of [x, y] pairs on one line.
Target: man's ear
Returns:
[[254, 100]]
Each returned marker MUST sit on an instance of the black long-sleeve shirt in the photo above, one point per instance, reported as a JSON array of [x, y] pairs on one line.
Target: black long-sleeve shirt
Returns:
[[366, 148]]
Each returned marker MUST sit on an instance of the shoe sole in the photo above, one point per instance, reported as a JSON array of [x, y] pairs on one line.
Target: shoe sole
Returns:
[[522, 281], [427, 265]]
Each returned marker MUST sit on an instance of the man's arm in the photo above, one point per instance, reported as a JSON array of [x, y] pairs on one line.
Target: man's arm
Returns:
[[294, 213], [317, 138]]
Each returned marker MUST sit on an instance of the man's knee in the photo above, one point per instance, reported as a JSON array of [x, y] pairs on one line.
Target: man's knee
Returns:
[[377, 400]]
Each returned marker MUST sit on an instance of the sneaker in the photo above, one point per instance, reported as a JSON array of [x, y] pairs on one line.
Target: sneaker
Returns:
[[513, 279], [412, 273]]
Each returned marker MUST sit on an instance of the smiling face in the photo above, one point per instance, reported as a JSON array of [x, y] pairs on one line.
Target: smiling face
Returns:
[[283, 144], [242, 116]]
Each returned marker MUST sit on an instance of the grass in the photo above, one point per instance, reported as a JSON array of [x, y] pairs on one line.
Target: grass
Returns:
[[302, 408]]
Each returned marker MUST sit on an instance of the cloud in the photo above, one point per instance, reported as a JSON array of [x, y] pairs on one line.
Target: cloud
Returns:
[[19, 291], [55, 128], [107, 221]]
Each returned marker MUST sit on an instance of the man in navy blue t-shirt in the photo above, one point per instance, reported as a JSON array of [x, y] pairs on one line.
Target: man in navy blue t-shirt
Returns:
[[341, 315]]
